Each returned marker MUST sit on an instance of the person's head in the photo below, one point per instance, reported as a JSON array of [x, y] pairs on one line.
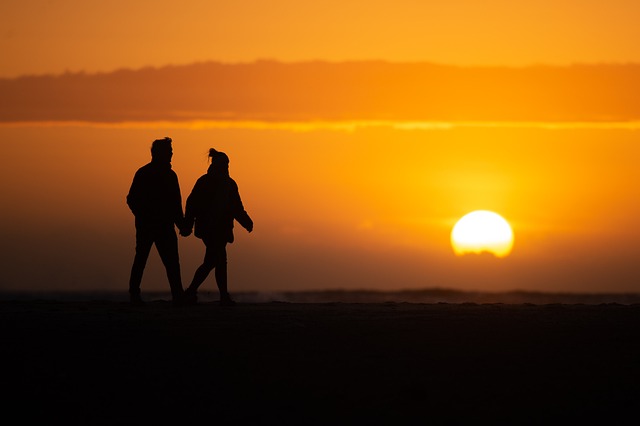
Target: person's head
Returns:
[[219, 161], [161, 150]]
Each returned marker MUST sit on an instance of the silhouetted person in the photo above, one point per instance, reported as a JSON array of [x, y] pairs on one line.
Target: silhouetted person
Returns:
[[213, 205], [155, 200]]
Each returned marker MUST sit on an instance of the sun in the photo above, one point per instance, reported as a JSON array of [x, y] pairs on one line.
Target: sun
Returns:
[[482, 231]]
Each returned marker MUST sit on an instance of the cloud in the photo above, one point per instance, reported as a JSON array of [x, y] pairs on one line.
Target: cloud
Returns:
[[270, 91]]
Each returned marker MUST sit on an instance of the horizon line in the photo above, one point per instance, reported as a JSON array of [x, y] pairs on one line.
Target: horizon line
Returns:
[[430, 289]]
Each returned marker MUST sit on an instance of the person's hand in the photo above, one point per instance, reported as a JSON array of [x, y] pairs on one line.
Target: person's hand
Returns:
[[250, 227], [185, 232]]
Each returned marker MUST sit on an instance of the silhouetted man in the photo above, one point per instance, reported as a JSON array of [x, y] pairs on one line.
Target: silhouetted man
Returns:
[[155, 200]]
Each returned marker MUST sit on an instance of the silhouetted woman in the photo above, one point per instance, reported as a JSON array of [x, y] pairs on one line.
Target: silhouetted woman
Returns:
[[213, 205]]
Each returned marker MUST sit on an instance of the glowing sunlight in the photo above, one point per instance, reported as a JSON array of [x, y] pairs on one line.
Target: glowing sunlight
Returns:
[[482, 231]]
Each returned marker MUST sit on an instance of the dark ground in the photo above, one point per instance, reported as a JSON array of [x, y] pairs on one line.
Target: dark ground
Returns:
[[105, 362]]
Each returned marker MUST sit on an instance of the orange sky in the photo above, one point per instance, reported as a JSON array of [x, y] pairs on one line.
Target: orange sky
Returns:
[[48, 36], [370, 208], [335, 207]]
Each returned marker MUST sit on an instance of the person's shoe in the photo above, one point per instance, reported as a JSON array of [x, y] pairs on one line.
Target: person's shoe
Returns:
[[190, 297], [136, 300], [227, 301], [178, 299]]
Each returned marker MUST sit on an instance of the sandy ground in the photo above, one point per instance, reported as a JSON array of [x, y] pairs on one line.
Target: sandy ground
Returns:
[[105, 362]]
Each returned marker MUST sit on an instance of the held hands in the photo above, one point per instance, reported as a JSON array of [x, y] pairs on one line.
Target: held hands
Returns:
[[185, 227]]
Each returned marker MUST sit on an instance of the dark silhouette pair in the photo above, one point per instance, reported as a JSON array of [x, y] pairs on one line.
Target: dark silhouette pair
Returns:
[[213, 205]]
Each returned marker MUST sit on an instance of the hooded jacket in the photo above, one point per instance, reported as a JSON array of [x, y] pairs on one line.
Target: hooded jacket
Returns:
[[213, 205]]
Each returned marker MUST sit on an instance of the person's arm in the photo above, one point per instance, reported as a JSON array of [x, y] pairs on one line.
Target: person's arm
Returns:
[[191, 209], [176, 196], [239, 213], [134, 195]]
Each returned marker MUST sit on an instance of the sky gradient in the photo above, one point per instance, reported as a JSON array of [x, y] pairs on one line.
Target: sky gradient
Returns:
[[359, 133]]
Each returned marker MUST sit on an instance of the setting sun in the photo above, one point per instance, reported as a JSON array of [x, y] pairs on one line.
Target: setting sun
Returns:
[[482, 231]]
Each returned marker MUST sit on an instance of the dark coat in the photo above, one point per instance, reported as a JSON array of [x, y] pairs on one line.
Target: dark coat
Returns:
[[154, 196], [213, 205]]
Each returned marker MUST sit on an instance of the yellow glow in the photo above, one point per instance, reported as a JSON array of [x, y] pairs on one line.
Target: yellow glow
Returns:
[[482, 231]]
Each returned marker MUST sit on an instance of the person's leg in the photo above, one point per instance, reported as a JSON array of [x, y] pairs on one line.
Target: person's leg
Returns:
[[221, 272], [221, 278], [167, 245], [203, 270], [144, 241]]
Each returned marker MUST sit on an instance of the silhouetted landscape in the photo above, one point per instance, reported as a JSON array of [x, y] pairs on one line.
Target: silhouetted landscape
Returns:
[[98, 362], [366, 90]]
